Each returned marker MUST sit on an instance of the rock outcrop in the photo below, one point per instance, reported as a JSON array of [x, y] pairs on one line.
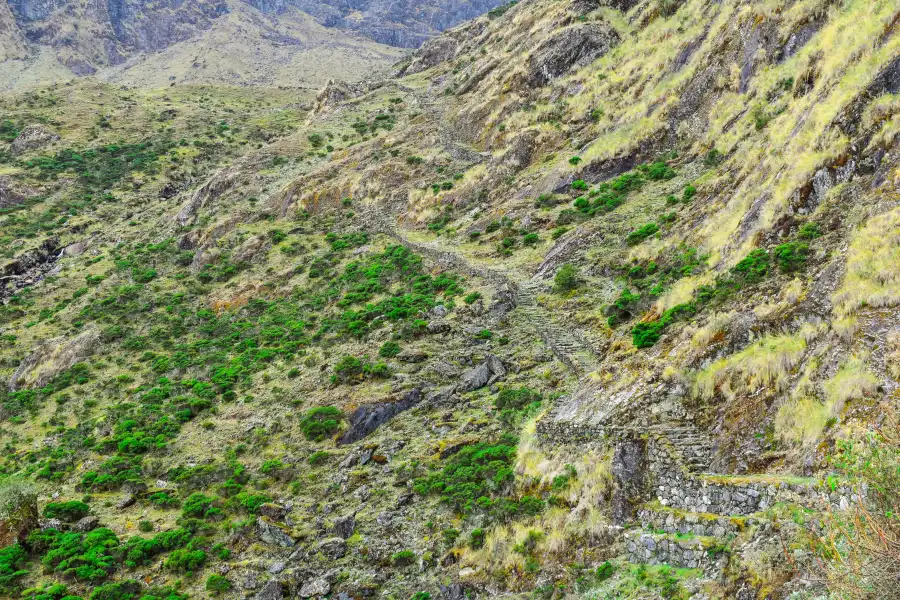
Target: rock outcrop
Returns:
[[369, 417], [573, 47], [32, 138], [52, 358]]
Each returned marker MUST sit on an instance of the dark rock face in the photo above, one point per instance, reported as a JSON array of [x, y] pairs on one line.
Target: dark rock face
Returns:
[[573, 47], [370, 417], [629, 472]]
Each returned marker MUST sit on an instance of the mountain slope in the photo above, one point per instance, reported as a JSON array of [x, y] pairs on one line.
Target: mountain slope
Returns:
[[591, 299]]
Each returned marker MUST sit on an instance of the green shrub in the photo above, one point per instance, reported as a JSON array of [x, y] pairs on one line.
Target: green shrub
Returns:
[[319, 457], [270, 466], [575, 160], [476, 479], [403, 558], [809, 231], [145, 526], [49, 591], [141, 551], [476, 538], [449, 536], [658, 171], [642, 233], [349, 368], [792, 256], [754, 267], [605, 571], [321, 422], [567, 278], [185, 561], [8, 131], [472, 298], [69, 512], [133, 590], [12, 562], [217, 584], [389, 349], [87, 557], [516, 398], [163, 500], [530, 239], [559, 232], [252, 502], [713, 158], [201, 506]]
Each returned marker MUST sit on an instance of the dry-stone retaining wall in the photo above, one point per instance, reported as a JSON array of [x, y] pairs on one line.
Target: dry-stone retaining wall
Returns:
[[687, 553], [672, 522]]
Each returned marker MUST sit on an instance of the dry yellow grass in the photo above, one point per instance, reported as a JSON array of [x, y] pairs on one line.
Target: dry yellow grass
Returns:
[[873, 266], [764, 364], [801, 421]]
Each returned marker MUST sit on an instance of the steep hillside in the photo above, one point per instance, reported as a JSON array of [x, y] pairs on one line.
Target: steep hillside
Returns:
[[591, 299]]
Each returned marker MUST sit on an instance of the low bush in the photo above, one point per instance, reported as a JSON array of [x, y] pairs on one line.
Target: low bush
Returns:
[[642, 233], [69, 512], [185, 561], [321, 422], [567, 278], [217, 584], [389, 349]]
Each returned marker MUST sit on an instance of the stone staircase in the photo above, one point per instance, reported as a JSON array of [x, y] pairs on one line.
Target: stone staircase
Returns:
[[565, 344], [694, 448]]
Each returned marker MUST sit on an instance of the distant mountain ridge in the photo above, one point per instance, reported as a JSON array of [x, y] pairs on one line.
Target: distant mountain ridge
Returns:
[[88, 36]]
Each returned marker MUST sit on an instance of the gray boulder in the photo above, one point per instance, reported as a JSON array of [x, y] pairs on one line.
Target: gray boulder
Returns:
[[333, 548], [315, 587], [272, 590], [344, 526], [273, 534], [488, 372], [88, 523]]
